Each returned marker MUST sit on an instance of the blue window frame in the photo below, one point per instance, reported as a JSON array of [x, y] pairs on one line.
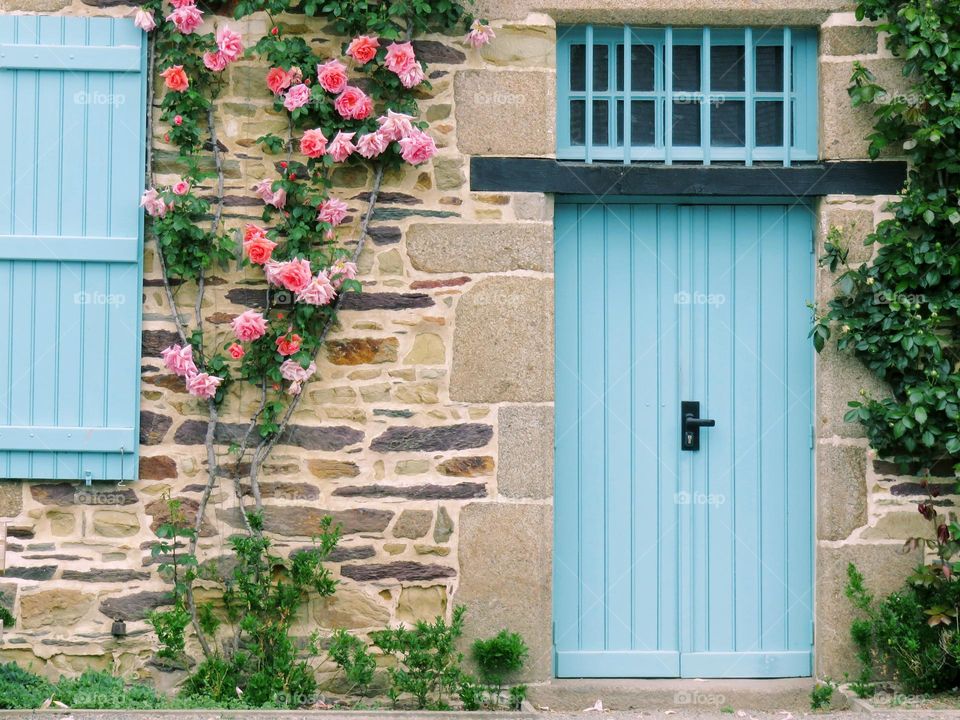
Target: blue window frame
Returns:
[[687, 95]]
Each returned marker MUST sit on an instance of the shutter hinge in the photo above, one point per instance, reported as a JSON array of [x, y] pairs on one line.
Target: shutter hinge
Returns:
[[813, 243], [812, 436], [87, 478]]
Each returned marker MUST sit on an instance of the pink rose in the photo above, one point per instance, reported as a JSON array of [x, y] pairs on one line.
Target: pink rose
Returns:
[[297, 97], [319, 291], [153, 203], [372, 144], [288, 344], [258, 249], [480, 34], [145, 20], [342, 270], [249, 325], [236, 351], [411, 77], [332, 211], [363, 49], [353, 104], [399, 57], [265, 190], [293, 275], [313, 144], [417, 147], [215, 61], [175, 78], [187, 18], [179, 360], [332, 76], [340, 147], [394, 125], [181, 187], [182, 3], [229, 43], [297, 375], [203, 385], [278, 80]]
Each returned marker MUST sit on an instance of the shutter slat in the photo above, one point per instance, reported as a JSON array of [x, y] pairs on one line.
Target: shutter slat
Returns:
[[80, 439]]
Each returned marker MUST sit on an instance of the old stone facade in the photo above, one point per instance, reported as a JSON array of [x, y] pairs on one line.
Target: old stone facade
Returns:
[[428, 433]]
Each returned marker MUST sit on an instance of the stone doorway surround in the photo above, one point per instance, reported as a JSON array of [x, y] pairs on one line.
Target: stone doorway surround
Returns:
[[504, 326]]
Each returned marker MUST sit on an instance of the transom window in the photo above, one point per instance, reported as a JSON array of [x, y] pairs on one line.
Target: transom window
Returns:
[[687, 95]]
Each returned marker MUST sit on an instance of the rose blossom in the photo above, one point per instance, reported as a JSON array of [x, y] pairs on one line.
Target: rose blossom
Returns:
[[265, 190], [215, 61], [313, 144], [278, 80], [363, 49], [318, 292], [411, 77], [236, 351], [293, 275], [203, 385], [178, 120], [353, 104], [297, 97], [249, 325], [258, 249], [144, 20], [288, 344], [181, 187], [332, 76], [182, 3], [152, 203], [342, 270], [399, 57], [372, 144], [297, 375], [395, 125], [179, 360], [230, 43], [175, 78], [340, 147], [480, 34], [332, 211], [417, 147], [187, 18]]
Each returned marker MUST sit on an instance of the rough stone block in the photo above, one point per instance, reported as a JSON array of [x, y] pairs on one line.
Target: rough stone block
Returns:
[[505, 566], [503, 342], [422, 603], [848, 40], [899, 526], [841, 490], [884, 568], [60, 607], [840, 377], [349, 609], [11, 498], [522, 46], [505, 112], [526, 451], [481, 247]]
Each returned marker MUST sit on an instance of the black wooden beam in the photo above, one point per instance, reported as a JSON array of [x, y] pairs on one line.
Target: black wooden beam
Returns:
[[505, 174]]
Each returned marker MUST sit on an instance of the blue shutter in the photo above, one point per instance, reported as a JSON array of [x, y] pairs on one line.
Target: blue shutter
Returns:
[[72, 141]]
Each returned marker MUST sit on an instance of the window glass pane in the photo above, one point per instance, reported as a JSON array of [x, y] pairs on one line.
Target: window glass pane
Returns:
[[577, 122], [641, 68], [726, 68], [643, 129], [769, 123], [686, 68], [601, 122], [578, 67], [601, 67], [686, 123], [728, 124], [769, 69]]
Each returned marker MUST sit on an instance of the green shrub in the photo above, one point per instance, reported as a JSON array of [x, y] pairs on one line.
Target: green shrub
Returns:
[[822, 694], [21, 689], [497, 659], [103, 691], [428, 663], [910, 635], [352, 657]]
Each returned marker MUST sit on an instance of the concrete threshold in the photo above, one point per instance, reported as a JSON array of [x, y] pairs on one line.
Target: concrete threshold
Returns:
[[686, 695]]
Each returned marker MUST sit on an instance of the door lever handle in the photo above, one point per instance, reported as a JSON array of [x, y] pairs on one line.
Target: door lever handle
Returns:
[[690, 424]]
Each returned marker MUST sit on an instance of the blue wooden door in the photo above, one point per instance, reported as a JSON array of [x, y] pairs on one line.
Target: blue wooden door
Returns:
[[674, 563], [72, 162]]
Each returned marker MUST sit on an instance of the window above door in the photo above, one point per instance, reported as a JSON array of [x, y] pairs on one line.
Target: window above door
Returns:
[[742, 95]]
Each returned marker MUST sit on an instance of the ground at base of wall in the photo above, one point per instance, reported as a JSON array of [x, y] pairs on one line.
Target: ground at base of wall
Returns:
[[327, 715]]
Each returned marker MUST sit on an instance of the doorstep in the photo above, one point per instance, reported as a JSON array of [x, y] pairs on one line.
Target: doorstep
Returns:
[[572, 695], [64, 714]]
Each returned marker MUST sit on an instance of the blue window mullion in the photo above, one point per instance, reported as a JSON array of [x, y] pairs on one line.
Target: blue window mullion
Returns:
[[706, 101], [668, 96], [627, 92], [588, 110], [787, 95], [749, 54]]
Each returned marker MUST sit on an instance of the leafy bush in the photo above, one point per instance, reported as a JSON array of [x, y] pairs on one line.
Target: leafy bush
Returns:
[[498, 658], [822, 694], [103, 691], [911, 635], [21, 689], [428, 663], [352, 657]]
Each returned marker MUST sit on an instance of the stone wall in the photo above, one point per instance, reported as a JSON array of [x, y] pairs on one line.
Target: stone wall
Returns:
[[428, 433]]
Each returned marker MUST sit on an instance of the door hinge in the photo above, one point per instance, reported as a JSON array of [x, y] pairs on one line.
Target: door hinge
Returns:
[[813, 243], [812, 436]]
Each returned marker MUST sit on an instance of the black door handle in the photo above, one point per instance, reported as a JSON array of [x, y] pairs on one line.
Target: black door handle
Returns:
[[690, 424]]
